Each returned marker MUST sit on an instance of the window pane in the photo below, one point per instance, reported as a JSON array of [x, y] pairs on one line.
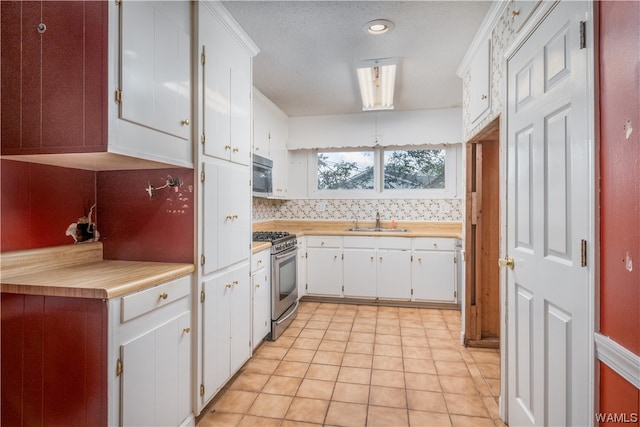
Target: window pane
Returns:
[[410, 169], [346, 170]]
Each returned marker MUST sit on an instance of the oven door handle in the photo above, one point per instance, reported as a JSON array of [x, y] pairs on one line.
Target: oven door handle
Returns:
[[288, 254], [292, 310]]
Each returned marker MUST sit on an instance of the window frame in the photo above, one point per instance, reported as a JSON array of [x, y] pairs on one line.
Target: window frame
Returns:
[[450, 190]]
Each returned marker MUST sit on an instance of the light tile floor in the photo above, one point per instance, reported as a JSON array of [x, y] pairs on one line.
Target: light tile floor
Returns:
[[359, 365]]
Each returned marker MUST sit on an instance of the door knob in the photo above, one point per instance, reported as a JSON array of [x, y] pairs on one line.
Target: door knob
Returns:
[[506, 262]]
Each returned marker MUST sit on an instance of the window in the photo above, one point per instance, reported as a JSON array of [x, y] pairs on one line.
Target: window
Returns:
[[416, 171], [345, 170]]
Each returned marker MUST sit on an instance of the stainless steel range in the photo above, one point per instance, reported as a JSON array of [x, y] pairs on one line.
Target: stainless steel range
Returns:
[[284, 278]]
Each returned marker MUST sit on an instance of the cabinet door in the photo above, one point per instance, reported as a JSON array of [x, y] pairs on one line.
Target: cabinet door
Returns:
[[155, 378], [226, 92], [434, 276], [216, 333], [324, 271], [302, 266], [360, 273], [54, 77], [480, 84], [240, 319], [240, 106], [226, 214], [261, 306], [156, 65], [394, 274]]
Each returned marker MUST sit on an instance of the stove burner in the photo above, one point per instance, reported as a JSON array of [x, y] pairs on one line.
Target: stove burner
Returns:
[[269, 236], [280, 240]]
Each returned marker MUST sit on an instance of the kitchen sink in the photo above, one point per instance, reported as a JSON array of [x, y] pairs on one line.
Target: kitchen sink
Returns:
[[401, 230]]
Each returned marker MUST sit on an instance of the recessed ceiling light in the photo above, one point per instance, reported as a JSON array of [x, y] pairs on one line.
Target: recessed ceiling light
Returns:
[[379, 26]]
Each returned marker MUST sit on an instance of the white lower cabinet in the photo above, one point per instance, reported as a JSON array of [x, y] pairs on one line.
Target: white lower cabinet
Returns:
[[360, 273], [387, 268], [324, 265], [261, 296], [302, 266], [226, 334], [434, 270], [153, 334], [394, 274]]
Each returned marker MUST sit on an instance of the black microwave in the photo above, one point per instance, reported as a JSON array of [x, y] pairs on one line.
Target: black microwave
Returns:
[[262, 176]]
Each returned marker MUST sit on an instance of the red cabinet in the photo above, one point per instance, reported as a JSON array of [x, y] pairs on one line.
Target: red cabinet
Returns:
[[54, 360], [54, 76]]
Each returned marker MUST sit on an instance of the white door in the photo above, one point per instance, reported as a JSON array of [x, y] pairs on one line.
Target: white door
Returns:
[[549, 209]]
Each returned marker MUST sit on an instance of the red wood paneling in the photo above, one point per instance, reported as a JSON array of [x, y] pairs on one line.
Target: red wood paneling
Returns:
[[54, 83], [134, 226], [39, 202], [619, 399], [620, 172], [53, 361]]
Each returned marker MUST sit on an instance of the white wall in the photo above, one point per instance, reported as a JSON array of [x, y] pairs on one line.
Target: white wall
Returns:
[[383, 128]]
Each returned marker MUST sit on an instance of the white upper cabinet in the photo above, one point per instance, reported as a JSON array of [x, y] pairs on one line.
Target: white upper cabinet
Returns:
[[156, 81], [270, 136], [151, 78], [522, 10], [480, 82], [226, 89]]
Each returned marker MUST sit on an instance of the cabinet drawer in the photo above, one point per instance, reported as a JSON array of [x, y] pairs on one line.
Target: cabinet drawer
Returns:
[[260, 260], [394, 243], [324, 241], [360, 242], [434, 243], [142, 302]]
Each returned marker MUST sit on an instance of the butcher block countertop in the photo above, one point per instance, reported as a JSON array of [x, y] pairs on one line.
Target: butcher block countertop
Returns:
[[80, 271], [259, 246], [340, 228]]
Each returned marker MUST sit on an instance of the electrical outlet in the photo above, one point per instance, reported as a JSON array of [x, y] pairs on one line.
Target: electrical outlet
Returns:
[[445, 207], [321, 206]]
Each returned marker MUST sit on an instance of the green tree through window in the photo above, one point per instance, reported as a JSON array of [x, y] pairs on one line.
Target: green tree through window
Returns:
[[411, 169]]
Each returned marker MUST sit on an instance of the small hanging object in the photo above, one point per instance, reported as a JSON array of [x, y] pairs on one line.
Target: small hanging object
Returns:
[[171, 182], [84, 230]]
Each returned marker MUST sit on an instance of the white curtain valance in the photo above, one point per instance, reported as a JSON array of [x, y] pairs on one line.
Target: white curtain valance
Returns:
[[384, 128]]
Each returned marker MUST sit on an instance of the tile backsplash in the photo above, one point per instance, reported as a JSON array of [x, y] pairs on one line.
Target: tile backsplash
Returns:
[[364, 209]]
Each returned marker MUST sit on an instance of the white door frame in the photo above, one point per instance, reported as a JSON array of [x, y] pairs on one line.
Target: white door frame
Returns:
[[592, 253]]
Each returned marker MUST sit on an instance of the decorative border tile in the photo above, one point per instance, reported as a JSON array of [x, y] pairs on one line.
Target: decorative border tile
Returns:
[[348, 209]]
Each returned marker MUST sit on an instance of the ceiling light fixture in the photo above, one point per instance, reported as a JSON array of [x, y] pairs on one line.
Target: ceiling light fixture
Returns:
[[379, 26], [377, 82]]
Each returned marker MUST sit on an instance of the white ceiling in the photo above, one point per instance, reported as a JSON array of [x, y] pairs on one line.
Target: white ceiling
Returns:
[[308, 50]]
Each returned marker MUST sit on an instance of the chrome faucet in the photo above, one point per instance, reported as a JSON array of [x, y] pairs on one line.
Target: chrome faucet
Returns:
[[377, 219]]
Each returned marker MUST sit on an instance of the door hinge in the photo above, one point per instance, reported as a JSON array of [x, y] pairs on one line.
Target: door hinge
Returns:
[[412, 292], [411, 258], [342, 288], [583, 34], [201, 389], [202, 176], [455, 259], [119, 367], [343, 256], [202, 138], [203, 57], [306, 286], [118, 2], [201, 296], [118, 96], [455, 294], [583, 253], [202, 259]]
